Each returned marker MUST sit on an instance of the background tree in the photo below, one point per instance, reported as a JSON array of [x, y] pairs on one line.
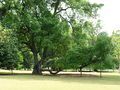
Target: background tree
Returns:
[[103, 48], [9, 55], [85, 56], [116, 42]]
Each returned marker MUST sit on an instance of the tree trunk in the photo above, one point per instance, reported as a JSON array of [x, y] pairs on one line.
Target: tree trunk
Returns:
[[100, 73], [100, 69], [37, 70], [80, 71]]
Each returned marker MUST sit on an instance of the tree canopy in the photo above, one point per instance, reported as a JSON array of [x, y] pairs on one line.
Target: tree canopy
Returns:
[[55, 34]]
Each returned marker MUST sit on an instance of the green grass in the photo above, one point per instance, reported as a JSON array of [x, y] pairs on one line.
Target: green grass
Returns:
[[60, 82]]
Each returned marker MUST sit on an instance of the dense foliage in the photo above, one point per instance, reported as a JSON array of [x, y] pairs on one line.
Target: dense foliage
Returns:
[[9, 54], [53, 34]]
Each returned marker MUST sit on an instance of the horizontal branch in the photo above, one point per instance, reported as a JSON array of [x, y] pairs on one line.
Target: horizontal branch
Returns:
[[63, 10]]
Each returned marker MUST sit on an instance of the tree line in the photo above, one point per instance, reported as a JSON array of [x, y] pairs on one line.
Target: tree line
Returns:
[[54, 35]]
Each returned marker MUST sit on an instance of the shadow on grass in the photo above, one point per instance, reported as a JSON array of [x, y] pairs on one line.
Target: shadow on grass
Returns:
[[66, 78]]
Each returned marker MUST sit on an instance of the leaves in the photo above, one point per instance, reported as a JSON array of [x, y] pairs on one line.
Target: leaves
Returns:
[[64, 31], [9, 57]]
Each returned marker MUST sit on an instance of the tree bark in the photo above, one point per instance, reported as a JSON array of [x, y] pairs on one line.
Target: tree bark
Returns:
[[37, 69], [80, 71], [56, 6]]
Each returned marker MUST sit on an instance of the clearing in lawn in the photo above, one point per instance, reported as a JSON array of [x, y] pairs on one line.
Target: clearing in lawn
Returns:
[[110, 81]]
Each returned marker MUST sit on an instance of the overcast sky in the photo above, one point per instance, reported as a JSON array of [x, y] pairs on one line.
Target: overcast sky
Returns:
[[109, 14]]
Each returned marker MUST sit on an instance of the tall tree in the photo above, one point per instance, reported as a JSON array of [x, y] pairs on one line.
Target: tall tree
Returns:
[[43, 26]]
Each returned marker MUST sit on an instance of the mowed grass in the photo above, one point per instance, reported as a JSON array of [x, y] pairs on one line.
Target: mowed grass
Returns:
[[109, 81]]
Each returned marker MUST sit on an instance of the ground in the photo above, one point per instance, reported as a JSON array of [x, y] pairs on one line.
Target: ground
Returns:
[[109, 81]]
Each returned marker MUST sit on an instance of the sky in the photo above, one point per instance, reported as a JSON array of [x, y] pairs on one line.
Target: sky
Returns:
[[109, 15]]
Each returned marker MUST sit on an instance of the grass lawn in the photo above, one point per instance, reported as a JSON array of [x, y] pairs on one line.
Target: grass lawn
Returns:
[[109, 81]]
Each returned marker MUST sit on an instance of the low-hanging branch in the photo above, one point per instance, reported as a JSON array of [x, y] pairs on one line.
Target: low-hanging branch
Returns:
[[89, 63]]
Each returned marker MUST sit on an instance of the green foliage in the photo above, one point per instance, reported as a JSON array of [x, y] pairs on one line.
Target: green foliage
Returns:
[[9, 57], [27, 60], [84, 56], [116, 43], [77, 57], [104, 51], [62, 32], [109, 63], [103, 45]]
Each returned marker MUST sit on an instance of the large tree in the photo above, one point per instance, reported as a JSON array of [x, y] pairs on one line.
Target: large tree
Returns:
[[45, 27]]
